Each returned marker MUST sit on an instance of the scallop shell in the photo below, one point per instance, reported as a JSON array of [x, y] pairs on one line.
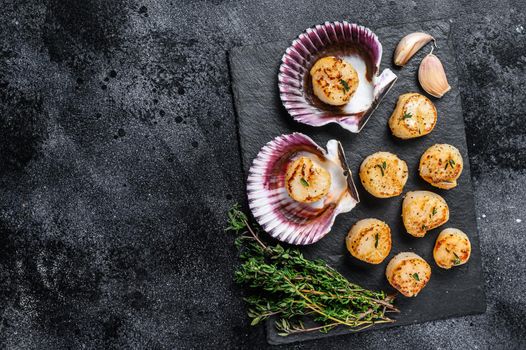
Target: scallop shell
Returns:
[[281, 216], [354, 43]]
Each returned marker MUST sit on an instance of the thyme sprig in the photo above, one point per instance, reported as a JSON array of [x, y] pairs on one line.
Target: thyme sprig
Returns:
[[283, 283]]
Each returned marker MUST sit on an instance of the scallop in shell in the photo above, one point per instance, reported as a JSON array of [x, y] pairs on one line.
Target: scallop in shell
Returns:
[[353, 100], [296, 188]]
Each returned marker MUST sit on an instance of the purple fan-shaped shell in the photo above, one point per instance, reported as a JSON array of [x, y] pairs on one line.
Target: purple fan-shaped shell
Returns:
[[331, 39], [281, 216]]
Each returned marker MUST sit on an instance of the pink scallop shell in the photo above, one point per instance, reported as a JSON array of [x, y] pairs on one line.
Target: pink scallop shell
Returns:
[[278, 214], [323, 40]]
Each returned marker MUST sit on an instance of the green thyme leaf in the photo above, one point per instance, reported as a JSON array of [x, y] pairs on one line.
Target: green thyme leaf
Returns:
[[346, 87], [406, 116], [447, 163], [376, 240], [380, 167], [384, 164], [452, 163], [237, 220], [434, 211], [415, 276], [304, 182], [457, 259]]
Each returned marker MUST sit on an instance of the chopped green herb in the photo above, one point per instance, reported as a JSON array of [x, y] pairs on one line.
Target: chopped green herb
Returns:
[[376, 240], [406, 116], [380, 167], [304, 182], [434, 211], [384, 164], [451, 163], [415, 276], [457, 259], [346, 87], [424, 227]]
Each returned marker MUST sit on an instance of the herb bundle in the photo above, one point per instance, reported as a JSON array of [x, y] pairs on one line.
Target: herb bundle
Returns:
[[285, 284]]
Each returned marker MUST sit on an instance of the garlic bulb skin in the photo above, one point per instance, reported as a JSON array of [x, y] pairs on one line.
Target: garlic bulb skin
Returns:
[[409, 45], [432, 76]]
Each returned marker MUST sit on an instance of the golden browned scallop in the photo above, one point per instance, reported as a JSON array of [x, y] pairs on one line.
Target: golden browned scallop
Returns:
[[408, 273], [452, 248], [383, 174], [369, 240], [414, 116], [334, 81], [423, 211], [441, 166], [306, 180]]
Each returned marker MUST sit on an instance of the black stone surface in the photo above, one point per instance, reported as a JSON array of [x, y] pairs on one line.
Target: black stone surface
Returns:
[[261, 117], [111, 241]]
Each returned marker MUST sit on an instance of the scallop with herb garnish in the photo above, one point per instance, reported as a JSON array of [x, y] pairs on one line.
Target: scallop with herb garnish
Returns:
[[408, 273], [369, 240], [296, 188], [414, 116], [331, 74], [383, 174], [334, 80], [306, 180], [441, 166], [423, 211], [452, 248]]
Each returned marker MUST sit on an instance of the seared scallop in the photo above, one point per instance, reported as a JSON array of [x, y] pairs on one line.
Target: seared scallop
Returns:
[[307, 181], [383, 174], [334, 80], [452, 248], [414, 116], [423, 211], [369, 240], [441, 166], [408, 273]]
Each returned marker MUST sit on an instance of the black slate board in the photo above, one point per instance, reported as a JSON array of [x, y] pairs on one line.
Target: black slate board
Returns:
[[261, 117]]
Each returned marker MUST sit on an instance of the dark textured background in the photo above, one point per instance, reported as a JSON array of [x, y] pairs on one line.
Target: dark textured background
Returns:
[[119, 158]]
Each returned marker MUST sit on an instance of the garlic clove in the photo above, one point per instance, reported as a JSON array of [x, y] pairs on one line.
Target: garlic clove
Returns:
[[409, 45], [432, 76]]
